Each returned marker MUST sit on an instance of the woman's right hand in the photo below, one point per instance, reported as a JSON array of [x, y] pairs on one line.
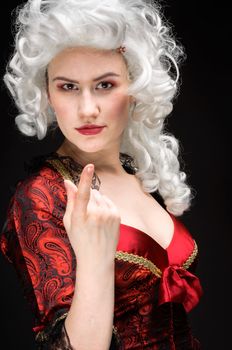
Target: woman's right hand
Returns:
[[91, 220]]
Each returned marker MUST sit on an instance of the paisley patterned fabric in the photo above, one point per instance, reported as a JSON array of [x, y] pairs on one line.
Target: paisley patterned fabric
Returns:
[[154, 287]]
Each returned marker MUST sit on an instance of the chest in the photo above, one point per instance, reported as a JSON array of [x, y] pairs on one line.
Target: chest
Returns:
[[140, 210]]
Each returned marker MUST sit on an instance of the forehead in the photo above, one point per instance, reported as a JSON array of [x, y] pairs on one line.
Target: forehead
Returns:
[[84, 60]]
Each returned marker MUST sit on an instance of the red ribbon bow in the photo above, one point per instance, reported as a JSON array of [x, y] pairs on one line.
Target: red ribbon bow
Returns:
[[179, 286]]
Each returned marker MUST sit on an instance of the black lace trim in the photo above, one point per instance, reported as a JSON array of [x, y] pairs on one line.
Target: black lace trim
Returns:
[[55, 337], [35, 163], [73, 167]]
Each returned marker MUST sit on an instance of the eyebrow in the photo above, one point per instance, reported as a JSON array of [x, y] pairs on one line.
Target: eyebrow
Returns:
[[95, 79]]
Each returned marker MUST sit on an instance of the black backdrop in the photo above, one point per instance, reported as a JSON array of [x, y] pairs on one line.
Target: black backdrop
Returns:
[[201, 121]]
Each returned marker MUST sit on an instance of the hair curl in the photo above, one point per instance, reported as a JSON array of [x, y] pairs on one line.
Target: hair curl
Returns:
[[45, 27]]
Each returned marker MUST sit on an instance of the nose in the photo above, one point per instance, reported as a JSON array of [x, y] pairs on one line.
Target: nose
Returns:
[[88, 106]]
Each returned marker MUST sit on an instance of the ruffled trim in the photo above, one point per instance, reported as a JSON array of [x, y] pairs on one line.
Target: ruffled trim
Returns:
[[55, 337]]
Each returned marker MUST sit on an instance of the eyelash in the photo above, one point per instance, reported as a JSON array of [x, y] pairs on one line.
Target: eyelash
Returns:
[[73, 87]]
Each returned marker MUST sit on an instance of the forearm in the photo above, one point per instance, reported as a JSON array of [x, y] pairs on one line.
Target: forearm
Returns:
[[90, 318]]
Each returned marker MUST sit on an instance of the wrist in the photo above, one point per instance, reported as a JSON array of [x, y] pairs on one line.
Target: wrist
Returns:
[[95, 270]]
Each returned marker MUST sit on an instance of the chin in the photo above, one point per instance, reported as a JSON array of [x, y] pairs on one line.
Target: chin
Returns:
[[89, 149]]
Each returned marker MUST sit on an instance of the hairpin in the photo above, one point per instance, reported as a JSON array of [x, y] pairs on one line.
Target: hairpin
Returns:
[[121, 49]]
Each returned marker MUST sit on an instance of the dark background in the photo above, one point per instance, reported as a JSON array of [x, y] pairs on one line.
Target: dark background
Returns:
[[200, 121]]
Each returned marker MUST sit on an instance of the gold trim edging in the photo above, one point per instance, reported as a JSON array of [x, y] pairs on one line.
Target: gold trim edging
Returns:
[[136, 259], [60, 168], [191, 258]]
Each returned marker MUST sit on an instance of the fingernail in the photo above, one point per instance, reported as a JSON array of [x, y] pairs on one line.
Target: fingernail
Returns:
[[66, 184], [89, 168]]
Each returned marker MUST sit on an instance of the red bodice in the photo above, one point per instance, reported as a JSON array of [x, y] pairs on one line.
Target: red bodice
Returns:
[[154, 287]]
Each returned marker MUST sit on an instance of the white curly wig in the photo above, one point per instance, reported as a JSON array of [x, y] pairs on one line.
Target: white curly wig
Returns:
[[45, 27]]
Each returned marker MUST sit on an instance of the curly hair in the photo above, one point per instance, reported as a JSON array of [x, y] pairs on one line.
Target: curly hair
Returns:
[[46, 27]]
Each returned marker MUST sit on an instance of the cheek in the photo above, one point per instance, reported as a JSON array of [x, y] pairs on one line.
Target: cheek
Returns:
[[61, 108], [119, 105]]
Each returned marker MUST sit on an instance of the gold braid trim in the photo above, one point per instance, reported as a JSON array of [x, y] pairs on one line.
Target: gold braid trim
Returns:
[[191, 258], [42, 336], [60, 168], [136, 259]]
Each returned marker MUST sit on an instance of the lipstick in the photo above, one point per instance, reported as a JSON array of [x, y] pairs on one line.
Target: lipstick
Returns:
[[90, 130]]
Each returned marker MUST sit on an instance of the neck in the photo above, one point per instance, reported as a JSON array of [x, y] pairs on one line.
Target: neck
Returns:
[[105, 161]]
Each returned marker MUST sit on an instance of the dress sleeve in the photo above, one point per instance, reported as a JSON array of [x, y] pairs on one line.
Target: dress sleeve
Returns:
[[35, 242]]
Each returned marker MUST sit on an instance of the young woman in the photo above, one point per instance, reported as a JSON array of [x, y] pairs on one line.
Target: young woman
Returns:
[[93, 230]]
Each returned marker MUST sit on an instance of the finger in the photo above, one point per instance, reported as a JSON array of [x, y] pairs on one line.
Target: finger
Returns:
[[92, 201], [108, 201], [110, 204], [103, 201], [71, 191], [84, 186], [96, 196]]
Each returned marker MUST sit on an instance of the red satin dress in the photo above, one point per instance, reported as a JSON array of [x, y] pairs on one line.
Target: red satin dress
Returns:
[[155, 288]]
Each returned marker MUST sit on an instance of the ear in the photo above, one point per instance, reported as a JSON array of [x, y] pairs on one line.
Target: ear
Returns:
[[132, 99]]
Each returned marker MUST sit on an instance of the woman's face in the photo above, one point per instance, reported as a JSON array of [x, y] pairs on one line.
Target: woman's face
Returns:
[[89, 86]]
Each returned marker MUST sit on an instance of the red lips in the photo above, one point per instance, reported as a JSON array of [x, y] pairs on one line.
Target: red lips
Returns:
[[90, 126], [90, 129]]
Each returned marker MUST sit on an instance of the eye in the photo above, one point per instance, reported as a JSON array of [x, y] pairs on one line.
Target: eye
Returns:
[[104, 85], [69, 86]]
